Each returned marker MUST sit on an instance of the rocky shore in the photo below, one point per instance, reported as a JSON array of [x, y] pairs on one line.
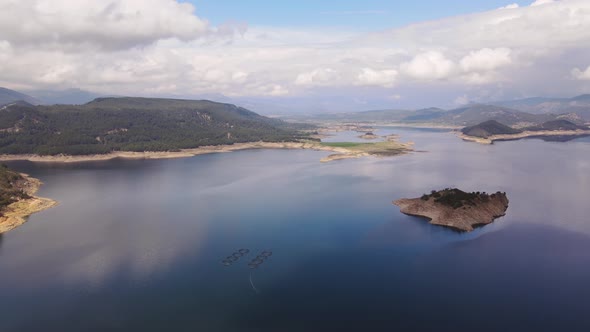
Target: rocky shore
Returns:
[[456, 209], [16, 213]]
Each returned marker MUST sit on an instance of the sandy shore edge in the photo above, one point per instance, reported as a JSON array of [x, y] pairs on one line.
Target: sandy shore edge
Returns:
[[341, 153], [16, 214]]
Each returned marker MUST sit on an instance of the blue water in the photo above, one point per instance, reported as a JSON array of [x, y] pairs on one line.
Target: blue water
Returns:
[[137, 245]]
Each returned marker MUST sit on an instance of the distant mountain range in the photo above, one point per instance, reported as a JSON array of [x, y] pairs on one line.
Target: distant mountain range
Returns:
[[549, 105], [48, 97], [515, 113], [575, 110], [8, 96]]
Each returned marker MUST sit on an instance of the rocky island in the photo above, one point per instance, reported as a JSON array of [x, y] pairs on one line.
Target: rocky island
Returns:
[[17, 200], [456, 209], [368, 136]]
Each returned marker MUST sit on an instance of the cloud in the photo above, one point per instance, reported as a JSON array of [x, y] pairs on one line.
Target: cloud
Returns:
[[510, 6], [541, 2], [430, 65], [385, 78], [316, 77], [486, 59], [581, 75], [147, 47], [116, 24], [462, 100], [356, 12]]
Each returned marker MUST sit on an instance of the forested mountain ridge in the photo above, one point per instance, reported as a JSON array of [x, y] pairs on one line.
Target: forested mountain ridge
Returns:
[[134, 124]]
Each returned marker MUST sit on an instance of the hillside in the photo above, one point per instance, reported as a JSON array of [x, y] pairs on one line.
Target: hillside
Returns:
[[134, 124], [489, 128], [465, 116], [8, 96], [10, 190], [538, 105], [558, 125], [474, 114]]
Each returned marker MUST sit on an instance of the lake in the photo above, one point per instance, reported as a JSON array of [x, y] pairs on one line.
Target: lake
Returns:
[[137, 245]]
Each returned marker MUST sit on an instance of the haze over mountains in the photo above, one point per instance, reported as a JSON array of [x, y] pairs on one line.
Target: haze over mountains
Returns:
[[518, 113]]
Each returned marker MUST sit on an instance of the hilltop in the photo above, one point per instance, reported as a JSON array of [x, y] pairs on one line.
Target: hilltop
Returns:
[[106, 125], [489, 128]]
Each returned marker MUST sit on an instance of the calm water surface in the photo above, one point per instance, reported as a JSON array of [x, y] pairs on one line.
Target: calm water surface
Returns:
[[137, 245]]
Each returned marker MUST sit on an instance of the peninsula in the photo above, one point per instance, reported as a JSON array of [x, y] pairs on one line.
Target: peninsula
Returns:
[[152, 128], [490, 131], [341, 150], [456, 209], [17, 200]]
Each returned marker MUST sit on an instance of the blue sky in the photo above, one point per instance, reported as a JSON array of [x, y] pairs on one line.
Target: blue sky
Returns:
[[367, 14]]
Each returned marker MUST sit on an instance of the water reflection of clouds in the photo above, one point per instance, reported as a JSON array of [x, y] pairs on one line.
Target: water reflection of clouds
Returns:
[[143, 225]]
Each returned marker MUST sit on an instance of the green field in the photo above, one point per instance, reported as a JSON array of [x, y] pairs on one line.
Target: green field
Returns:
[[388, 148], [343, 144]]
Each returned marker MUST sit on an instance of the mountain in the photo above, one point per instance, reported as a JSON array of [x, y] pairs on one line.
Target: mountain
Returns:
[[69, 96], [474, 114], [134, 124], [8, 96], [489, 128], [540, 105], [465, 116], [559, 124]]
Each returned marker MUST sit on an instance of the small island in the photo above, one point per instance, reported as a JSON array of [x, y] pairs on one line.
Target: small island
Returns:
[[17, 200], [490, 131], [369, 136], [456, 209]]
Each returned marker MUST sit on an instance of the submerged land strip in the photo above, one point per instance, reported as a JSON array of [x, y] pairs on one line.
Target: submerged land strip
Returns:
[[21, 203], [343, 150]]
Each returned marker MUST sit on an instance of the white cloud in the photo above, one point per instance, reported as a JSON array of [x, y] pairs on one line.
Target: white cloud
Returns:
[[115, 24], [510, 6], [462, 100], [385, 78], [486, 59], [316, 77], [163, 46], [541, 2], [430, 65], [582, 75]]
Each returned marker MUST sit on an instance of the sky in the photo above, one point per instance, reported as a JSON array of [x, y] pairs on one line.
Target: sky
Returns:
[[300, 56]]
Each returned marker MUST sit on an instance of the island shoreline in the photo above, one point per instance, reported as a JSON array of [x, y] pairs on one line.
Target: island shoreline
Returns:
[[17, 213], [525, 134]]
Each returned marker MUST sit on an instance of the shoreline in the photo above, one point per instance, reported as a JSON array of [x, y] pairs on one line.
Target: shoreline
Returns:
[[17, 213], [525, 134], [340, 152]]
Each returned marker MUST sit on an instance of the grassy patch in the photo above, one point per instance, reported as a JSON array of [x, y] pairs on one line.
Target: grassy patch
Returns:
[[343, 144], [388, 148]]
